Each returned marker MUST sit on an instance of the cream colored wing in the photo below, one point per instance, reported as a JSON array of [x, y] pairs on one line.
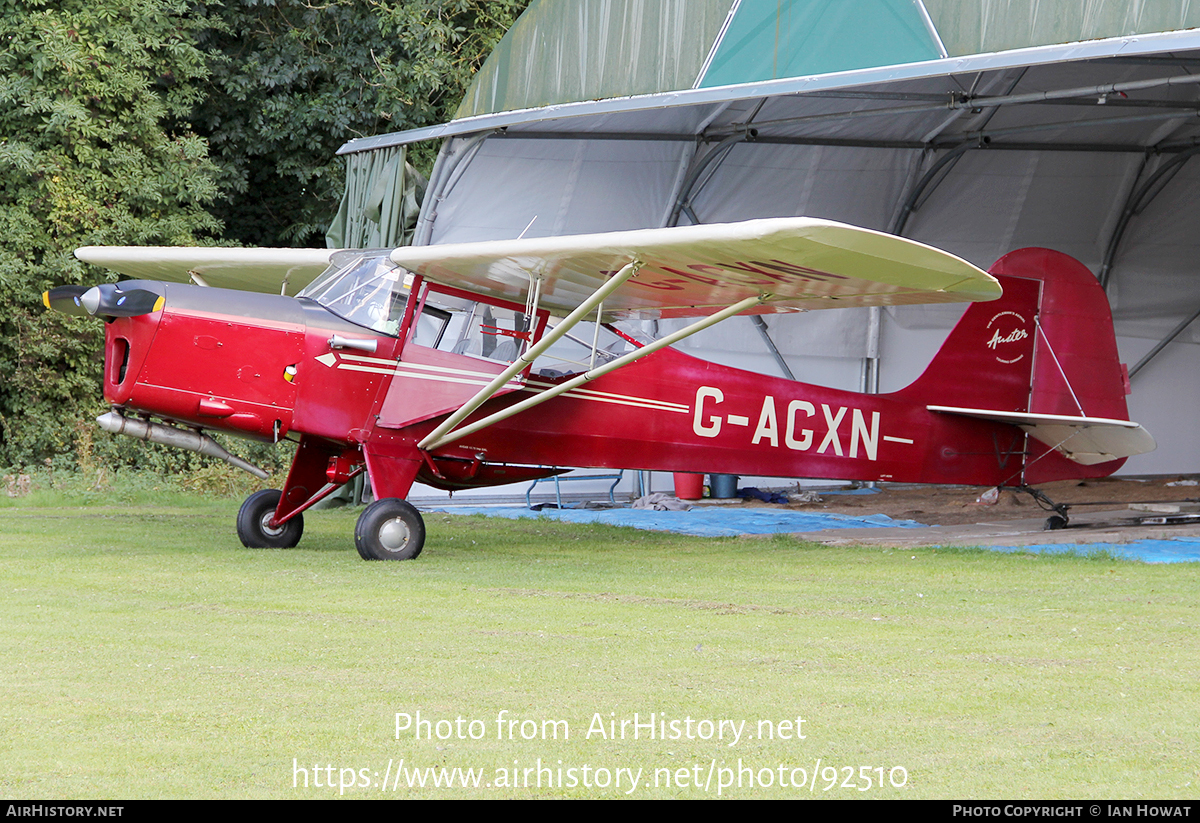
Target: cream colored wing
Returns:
[[801, 262], [248, 269]]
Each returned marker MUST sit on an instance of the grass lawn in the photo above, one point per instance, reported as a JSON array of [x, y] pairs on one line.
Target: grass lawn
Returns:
[[147, 654]]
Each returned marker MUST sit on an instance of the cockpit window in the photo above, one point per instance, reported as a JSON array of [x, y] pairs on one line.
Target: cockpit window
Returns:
[[476, 328], [367, 289]]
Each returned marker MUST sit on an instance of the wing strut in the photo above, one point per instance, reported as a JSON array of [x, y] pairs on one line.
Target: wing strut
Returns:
[[436, 437], [431, 442]]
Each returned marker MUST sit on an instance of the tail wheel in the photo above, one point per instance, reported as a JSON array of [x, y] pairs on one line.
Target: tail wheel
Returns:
[[1054, 522], [389, 529], [254, 523]]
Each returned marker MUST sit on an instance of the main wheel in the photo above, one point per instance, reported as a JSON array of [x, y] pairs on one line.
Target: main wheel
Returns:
[[389, 529], [254, 518]]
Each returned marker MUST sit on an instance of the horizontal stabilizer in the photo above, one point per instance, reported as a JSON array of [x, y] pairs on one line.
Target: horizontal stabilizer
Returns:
[[1086, 440], [248, 269]]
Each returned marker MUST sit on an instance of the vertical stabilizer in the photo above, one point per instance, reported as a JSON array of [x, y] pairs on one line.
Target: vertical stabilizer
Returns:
[[1046, 347], [988, 359], [1043, 358]]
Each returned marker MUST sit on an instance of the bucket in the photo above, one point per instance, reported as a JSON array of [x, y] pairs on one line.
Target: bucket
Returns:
[[689, 486], [723, 486]]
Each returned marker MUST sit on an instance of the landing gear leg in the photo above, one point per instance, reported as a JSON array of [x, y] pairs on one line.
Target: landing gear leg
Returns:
[[1056, 521], [389, 529]]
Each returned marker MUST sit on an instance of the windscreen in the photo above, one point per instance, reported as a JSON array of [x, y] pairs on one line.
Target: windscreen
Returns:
[[367, 289]]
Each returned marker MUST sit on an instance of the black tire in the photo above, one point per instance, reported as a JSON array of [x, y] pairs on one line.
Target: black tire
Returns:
[[389, 529], [254, 516]]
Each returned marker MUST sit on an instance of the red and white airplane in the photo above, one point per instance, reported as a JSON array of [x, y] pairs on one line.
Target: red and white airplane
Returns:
[[435, 364]]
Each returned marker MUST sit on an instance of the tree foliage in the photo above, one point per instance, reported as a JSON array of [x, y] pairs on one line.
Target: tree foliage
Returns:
[[88, 91], [438, 45], [182, 122], [290, 82]]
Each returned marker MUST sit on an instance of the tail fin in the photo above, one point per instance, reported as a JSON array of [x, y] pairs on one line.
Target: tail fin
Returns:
[[1043, 358], [987, 359], [1046, 347]]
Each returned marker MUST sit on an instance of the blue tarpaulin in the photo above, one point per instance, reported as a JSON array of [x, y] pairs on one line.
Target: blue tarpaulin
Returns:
[[731, 522], [1173, 550], [702, 522]]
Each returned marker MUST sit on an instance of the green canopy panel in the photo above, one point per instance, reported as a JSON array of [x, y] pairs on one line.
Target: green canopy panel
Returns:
[[381, 203], [768, 41], [560, 52], [985, 26]]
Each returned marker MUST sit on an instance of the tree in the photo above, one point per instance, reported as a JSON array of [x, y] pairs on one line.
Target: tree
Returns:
[[155, 122], [292, 81], [92, 151]]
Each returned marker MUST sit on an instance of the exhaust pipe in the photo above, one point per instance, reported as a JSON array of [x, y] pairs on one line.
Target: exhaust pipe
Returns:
[[170, 436]]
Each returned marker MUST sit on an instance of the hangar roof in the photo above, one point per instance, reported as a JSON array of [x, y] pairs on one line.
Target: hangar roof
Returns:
[[566, 60]]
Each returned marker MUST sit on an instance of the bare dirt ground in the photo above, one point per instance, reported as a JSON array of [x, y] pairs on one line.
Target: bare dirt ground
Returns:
[[955, 505]]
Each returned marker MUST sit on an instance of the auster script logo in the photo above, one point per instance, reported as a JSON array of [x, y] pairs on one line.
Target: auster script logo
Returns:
[[998, 339]]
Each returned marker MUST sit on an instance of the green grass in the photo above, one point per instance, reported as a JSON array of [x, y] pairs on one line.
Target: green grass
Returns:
[[147, 654]]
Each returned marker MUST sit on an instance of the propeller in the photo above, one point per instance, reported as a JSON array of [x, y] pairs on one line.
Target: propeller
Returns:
[[65, 299], [105, 300]]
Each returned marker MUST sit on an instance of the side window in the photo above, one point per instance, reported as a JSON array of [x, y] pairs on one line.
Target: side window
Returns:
[[431, 327], [478, 329], [572, 354]]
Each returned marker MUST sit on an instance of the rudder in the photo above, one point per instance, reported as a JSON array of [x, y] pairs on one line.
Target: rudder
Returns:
[[1076, 367]]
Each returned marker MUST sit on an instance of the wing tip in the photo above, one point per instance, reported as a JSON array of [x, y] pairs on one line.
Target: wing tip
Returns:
[[981, 288]]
